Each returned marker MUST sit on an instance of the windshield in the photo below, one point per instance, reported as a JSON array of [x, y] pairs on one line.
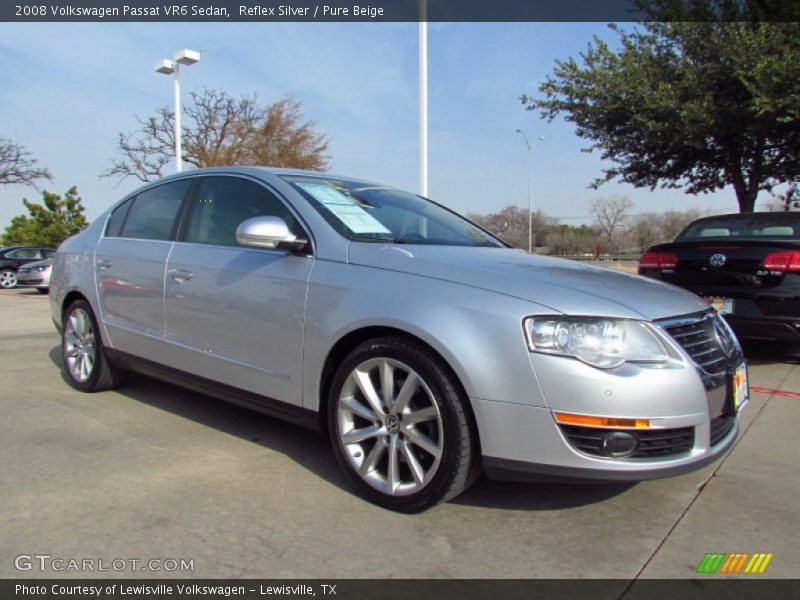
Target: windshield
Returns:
[[369, 213], [755, 225]]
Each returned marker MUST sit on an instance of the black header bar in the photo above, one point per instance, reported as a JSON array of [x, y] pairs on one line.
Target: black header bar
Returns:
[[351, 10]]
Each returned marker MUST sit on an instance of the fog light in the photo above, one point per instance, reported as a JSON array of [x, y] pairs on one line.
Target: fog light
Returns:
[[619, 444]]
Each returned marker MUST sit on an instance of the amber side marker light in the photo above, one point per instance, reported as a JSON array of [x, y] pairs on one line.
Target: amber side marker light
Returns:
[[591, 421]]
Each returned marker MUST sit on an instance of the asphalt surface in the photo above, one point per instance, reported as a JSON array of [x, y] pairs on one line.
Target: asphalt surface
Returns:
[[155, 472]]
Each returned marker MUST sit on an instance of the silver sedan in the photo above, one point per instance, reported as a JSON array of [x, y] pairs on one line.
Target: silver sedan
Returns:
[[428, 349]]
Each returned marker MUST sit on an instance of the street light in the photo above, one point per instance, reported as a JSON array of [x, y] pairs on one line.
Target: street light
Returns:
[[172, 67], [530, 187], [423, 98]]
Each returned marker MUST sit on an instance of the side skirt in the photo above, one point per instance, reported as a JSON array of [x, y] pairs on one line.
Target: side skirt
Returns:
[[261, 404]]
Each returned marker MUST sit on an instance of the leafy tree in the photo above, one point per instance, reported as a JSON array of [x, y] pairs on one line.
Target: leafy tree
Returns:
[[788, 200], [47, 224], [18, 166], [704, 97], [222, 130]]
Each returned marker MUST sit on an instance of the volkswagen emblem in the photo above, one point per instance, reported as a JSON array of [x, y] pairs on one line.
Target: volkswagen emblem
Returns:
[[392, 424], [717, 260]]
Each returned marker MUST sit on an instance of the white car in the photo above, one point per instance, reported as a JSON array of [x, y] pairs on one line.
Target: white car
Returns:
[[36, 274]]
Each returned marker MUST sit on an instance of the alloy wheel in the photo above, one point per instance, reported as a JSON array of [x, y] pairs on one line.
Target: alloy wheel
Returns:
[[8, 279], [79, 345], [390, 426]]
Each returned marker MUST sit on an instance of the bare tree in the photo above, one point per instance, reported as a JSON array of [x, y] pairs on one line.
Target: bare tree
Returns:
[[17, 165], [223, 130], [644, 231], [568, 240], [610, 214], [511, 225], [672, 222]]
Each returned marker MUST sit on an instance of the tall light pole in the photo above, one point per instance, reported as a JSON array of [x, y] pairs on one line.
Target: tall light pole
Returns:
[[530, 188], [423, 98], [172, 67]]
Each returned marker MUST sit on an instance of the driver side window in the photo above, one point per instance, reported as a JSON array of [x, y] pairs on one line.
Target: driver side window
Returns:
[[222, 203]]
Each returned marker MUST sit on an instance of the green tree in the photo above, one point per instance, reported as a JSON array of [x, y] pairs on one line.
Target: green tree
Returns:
[[704, 97], [47, 224]]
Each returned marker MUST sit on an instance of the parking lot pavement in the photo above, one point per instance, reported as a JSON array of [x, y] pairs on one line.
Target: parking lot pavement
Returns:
[[155, 472]]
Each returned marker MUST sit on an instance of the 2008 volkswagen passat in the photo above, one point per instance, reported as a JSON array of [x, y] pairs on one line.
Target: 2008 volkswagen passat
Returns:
[[427, 348]]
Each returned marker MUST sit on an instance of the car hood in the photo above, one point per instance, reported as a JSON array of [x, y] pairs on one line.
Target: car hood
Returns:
[[561, 285], [39, 263]]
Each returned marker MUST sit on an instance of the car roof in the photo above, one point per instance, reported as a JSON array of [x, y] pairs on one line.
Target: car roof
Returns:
[[9, 248], [259, 171], [788, 216]]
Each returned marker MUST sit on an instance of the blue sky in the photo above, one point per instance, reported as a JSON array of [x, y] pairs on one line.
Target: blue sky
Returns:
[[69, 88]]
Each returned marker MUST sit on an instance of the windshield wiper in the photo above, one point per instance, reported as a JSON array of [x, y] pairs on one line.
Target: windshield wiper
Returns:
[[374, 240]]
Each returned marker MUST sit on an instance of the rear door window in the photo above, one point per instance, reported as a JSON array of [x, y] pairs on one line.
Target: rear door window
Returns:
[[25, 253], [117, 218], [152, 215]]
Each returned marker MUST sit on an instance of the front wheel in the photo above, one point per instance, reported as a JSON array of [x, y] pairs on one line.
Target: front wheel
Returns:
[[399, 425], [85, 364], [8, 279]]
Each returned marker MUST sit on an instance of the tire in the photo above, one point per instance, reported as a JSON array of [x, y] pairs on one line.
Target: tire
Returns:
[[8, 278], [411, 455], [86, 367]]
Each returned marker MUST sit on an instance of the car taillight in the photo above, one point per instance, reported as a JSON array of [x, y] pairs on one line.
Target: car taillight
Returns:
[[658, 260], [783, 261]]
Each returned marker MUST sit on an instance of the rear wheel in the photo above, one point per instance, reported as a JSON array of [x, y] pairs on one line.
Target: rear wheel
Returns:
[[85, 363], [8, 278], [399, 425]]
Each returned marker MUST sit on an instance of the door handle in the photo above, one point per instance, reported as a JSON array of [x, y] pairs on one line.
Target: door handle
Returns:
[[180, 274], [102, 263]]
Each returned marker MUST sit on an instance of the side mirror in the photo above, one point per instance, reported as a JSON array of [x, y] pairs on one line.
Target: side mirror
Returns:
[[268, 232]]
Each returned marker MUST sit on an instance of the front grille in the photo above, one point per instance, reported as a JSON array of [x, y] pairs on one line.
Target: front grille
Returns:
[[696, 335], [720, 427], [653, 443]]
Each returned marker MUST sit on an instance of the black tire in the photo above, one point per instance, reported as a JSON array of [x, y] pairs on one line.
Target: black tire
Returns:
[[8, 278], [446, 429], [102, 375]]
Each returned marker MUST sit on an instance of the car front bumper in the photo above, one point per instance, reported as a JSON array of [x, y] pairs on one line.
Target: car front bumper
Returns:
[[677, 416], [541, 452], [37, 280]]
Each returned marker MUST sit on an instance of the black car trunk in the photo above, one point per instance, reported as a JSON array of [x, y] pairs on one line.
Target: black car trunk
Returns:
[[745, 277]]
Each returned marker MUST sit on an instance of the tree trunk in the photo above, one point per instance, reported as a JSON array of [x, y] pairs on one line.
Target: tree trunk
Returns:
[[745, 194], [747, 200]]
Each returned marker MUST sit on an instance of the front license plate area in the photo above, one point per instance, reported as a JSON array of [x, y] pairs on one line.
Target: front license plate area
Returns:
[[723, 306], [739, 388]]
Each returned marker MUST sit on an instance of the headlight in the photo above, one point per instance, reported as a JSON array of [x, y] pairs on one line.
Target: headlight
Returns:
[[599, 342], [39, 269]]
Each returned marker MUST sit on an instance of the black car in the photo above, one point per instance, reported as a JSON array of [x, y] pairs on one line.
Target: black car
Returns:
[[747, 266], [13, 257]]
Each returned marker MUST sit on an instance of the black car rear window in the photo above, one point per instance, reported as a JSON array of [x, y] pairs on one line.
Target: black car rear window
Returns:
[[758, 225]]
